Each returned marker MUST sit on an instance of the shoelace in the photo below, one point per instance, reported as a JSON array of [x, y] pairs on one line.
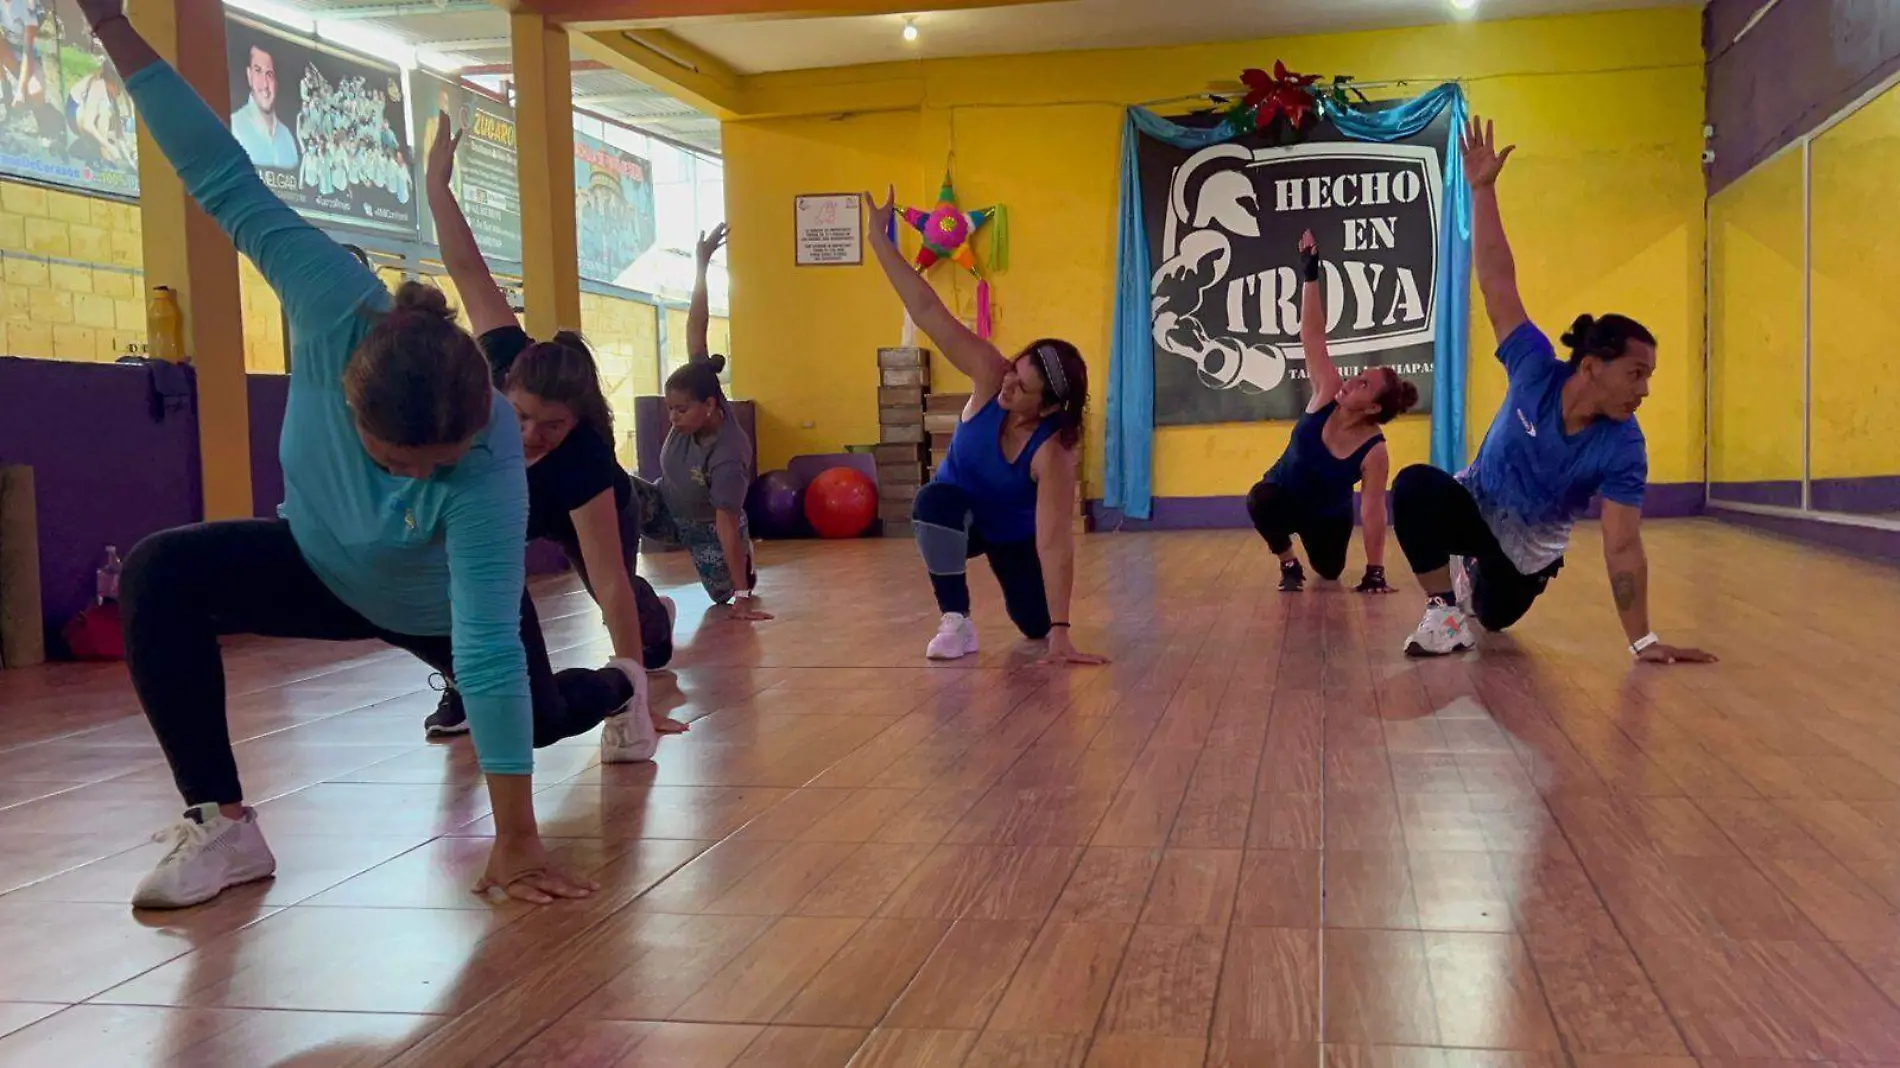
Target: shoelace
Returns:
[[440, 683], [182, 834]]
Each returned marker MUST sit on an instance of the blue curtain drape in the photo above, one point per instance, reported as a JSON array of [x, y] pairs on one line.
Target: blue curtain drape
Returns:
[[1131, 384]]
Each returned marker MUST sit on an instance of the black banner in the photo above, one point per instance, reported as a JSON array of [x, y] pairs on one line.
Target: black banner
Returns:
[[1223, 230], [325, 130], [487, 183], [65, 117]]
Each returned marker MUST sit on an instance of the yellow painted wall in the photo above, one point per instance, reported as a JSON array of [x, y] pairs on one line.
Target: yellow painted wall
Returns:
[[1855, 410], [624, 335], [1755, 326], [1603, 202]]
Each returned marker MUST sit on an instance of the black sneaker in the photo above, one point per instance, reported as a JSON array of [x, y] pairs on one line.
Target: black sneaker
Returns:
[[448, 719], [1292, 577]]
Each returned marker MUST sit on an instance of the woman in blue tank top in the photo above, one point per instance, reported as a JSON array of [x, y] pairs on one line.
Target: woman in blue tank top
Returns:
[[1006, 489], [1334, 446]]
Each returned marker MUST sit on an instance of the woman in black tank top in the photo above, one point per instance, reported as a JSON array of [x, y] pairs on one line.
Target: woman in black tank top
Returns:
[[1334, 446]]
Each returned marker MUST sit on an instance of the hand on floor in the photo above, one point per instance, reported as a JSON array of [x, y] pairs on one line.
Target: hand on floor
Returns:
[[746, 610], [665, 724], [1062, 651], [1674, 654], [520, 867]]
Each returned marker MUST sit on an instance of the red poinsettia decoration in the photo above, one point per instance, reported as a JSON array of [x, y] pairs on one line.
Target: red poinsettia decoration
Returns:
[[1280, 93]]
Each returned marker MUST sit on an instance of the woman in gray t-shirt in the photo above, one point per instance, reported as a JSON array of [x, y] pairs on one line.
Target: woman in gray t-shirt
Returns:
[[705, 470], [705, 465]]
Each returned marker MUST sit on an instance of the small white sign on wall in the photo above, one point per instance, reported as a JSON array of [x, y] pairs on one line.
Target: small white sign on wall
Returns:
[[829, 230]]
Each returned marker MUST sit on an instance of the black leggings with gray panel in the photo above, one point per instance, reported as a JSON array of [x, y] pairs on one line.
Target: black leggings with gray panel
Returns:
[[943, 516]]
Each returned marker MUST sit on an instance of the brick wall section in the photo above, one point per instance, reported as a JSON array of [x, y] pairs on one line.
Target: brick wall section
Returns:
[[89, 310]]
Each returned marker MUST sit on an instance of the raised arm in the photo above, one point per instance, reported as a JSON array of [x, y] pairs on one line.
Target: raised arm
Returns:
[[1054, 468], [1319, 362], [699, 315], [970, 354], [485, 304], [317, 281], [1490, 252]]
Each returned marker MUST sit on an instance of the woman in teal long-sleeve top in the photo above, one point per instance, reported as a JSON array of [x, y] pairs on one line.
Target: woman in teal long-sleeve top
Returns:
[[405, 508]]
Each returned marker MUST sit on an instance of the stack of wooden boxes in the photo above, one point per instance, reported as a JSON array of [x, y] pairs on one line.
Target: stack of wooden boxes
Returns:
[[941, 413], [903, 384], [914, 431]]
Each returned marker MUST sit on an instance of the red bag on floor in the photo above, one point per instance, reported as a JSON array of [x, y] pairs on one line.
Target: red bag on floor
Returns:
[[96, 634]]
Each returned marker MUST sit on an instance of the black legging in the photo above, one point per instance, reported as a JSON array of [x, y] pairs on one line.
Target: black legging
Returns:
[[1435, 517], [942, 518], [1278, 514], [182, 589]]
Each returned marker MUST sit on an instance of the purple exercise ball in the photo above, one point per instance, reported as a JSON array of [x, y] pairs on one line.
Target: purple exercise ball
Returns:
[[775, 505]]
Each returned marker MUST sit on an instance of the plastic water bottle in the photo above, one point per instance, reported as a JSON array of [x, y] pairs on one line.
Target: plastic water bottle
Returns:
[[108, 577]]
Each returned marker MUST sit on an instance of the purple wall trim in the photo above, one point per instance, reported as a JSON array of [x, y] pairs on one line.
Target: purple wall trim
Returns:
[[1873, 495], [806, 468], [1881, 545], [1804, 61], [269, 394], [1780, 493], [1670, 500], [1860, 496], [106, 472]]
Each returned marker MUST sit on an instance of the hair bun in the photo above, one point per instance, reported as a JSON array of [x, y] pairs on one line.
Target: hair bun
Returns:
[[424, 299], [1579, 331], [572, 339], [1408, 395], [715, 361]]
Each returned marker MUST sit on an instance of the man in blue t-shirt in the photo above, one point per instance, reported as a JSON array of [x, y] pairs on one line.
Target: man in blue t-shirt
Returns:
[[1566, 433]]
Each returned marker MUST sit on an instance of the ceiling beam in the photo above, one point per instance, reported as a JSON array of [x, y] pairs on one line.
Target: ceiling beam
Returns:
[[681, 70], [626, 14]]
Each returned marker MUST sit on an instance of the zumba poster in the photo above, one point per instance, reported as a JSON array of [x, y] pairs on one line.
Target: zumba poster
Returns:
[[324, 130], [613, 208], [65, 117], [1223, 225], [486, 181]]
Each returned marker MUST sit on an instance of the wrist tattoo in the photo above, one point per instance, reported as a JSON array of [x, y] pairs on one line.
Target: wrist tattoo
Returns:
[[1623, 588]]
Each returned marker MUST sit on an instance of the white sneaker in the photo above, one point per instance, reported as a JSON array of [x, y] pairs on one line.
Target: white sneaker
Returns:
[[1461, 583], [1445, 629], [210, 851], [956, 638], [628, 736]]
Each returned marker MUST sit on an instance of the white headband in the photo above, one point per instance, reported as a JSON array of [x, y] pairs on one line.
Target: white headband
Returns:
[[1051, 361]]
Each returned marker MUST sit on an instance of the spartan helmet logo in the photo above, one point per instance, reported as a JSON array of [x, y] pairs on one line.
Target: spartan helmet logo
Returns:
[[1227, 200], [1200, 254]]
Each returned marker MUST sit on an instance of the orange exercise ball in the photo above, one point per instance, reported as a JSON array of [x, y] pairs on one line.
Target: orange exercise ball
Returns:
[[841, 503]]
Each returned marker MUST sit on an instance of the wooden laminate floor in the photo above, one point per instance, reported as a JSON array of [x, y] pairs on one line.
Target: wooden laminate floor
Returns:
[[1261, 837]]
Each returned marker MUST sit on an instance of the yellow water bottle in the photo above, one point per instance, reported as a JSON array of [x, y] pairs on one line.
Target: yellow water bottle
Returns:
[[165, 325]]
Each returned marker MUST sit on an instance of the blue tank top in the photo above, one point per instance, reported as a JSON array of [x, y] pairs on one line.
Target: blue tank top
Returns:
[[1310, 469], [1003, 492]]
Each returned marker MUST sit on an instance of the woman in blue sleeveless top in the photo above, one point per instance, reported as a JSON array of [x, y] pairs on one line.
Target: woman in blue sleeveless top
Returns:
[[1006, 489], [1335, 445]]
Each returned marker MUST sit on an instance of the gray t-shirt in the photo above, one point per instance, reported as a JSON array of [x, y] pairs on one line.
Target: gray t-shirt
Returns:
[[701, 475]]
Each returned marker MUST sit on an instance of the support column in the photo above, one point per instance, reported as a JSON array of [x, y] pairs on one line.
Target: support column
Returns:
[[185, 250], [544, 132]]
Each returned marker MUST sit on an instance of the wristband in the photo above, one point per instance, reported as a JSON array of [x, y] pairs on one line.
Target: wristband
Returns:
[[1310, 265], [1064, 626], [1644, 642]]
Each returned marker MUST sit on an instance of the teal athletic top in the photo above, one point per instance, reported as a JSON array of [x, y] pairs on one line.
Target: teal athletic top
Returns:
[[425, 557]]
